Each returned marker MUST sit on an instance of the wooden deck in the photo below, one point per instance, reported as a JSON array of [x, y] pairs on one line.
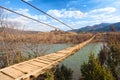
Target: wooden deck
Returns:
[[32, 68]]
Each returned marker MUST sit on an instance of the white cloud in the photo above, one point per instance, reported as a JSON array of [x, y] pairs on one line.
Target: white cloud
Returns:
[[56, 13], [80, 19], [21, 20], [71, 17], [115, 3], [27, 23], [63, 13], [107, 10], [26, 12], [101, 14], [42, 17], [96, 16]]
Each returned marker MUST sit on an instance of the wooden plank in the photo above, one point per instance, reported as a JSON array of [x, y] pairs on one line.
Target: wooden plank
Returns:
[[56, 54], [5, 77], [12, 72], [26, 68], [60, 54], [42, 61], [47, 60], [53, 58], [37, 63], [64, 51]]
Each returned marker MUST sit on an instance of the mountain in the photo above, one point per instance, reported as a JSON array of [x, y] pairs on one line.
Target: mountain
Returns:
[[103, 27], [108, 28]]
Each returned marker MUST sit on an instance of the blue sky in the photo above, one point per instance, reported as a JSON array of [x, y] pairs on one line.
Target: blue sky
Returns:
[[76, 13]]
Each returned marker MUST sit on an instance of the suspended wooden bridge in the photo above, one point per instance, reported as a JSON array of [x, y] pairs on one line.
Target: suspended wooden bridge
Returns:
[[32, 68]]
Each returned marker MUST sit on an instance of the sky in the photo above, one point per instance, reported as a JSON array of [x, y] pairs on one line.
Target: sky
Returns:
[[76, 13]]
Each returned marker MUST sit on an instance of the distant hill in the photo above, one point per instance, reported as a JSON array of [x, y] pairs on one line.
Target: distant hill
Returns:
[[103, 27]]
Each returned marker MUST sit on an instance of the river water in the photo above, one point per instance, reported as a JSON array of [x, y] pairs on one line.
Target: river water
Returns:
[[75, 61]]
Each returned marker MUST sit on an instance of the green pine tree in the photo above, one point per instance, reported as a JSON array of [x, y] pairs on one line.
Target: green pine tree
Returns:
[[93, 70]]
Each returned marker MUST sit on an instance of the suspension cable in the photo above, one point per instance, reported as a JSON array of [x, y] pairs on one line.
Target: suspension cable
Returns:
[[29, 18], [47, 14]]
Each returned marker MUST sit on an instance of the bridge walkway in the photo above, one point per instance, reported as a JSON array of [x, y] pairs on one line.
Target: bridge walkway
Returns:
[[32, 68]]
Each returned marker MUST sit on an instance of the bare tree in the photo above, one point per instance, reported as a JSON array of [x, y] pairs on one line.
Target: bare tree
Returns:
[[12, 40], [8, 47], [3, 18]]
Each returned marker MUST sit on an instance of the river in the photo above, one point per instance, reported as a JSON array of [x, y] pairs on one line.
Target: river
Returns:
[[75, 61]]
